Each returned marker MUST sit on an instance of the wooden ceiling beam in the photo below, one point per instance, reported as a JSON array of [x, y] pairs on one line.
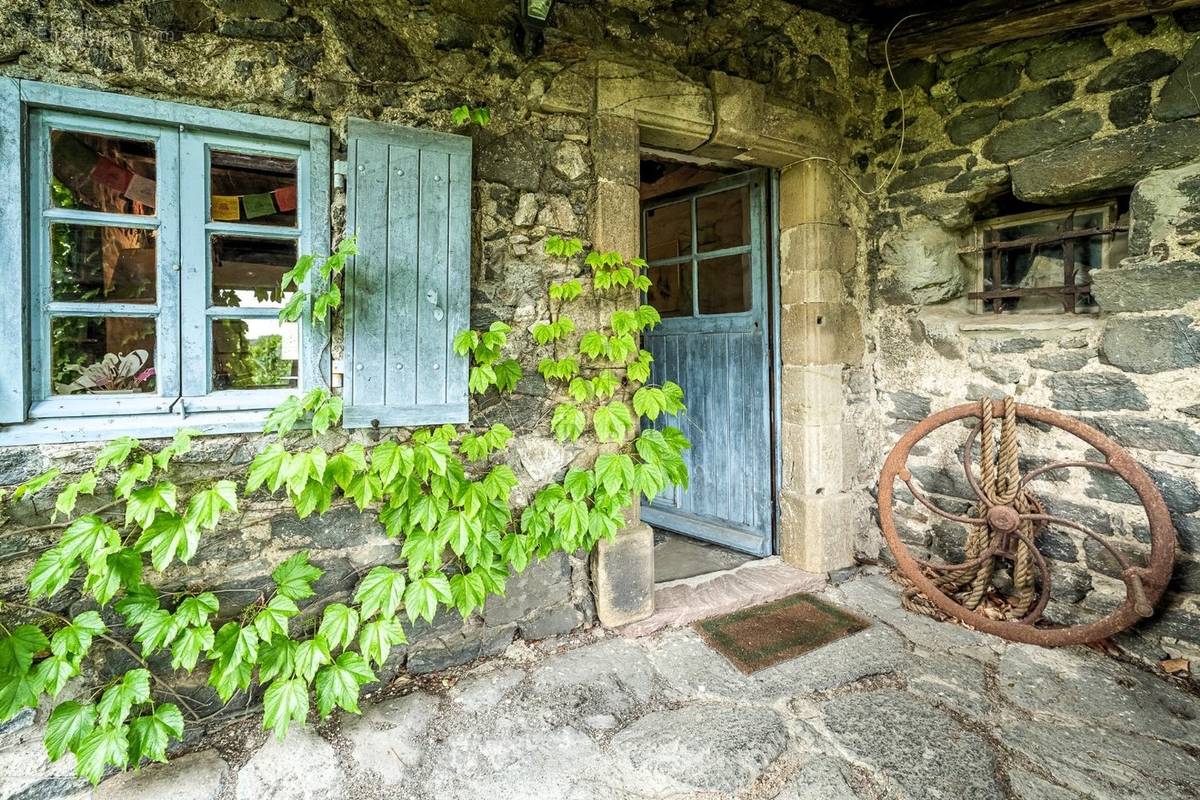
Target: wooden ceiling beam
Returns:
[[995, 21]]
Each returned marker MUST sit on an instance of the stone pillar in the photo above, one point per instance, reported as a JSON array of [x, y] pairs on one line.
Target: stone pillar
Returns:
[[623, 569], [820, 332]]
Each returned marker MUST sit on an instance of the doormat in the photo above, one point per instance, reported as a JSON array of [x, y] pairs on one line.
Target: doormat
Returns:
[[763, 636]]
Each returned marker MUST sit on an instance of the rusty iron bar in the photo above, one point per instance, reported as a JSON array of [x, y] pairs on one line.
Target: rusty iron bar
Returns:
[[1144, 585]]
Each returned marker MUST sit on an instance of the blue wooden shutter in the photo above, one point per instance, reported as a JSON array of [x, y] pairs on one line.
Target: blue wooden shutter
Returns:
[[408, 289], [14, 372]]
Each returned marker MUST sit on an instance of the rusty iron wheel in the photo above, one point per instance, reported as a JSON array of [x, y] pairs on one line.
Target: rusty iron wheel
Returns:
[[1144, 586]]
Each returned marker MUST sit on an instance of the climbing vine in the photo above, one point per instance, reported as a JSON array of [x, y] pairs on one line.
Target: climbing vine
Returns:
[[442, 493]]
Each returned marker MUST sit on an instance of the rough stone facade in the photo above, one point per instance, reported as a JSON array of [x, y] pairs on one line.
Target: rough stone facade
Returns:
[[546, 165], [1054, 121]]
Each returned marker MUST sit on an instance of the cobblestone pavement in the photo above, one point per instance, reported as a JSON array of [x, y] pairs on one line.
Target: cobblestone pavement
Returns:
[[909, 708]]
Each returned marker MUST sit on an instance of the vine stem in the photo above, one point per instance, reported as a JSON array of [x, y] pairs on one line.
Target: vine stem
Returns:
[[166, 687]]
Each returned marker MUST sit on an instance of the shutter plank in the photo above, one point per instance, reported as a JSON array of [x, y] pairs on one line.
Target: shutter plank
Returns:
[[458, 313], [432, 278], [14, 390], [401, 341], [368, 328]]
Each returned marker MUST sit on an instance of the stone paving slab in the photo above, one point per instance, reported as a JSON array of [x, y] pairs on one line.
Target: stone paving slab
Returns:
[[908, 709]]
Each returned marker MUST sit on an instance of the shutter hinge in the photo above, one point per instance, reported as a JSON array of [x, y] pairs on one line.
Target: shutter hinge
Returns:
[[340, 170]]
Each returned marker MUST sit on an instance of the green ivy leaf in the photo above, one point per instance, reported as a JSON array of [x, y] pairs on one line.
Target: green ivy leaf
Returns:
[[189, 644], [149, 735], [69, 723], [283, 418], [567, 422], [137, 605], [36, 483], [18, 692], [169, 537], [339, 623], [145, 503], [605, 384], [422, 596], [508, 375], [465, 342], [157, 631], [460, 115], [197, 609], [612, 422], [311, 654], [285, 702], [340, 683], [294, 308], [377, 637], [615, 472], [115, 453], [18, 648], [467, 592], [277, 659], [381, 590], [266, 468], [53, 673], [133, 475], [65, 502], [100, 748], [294, 577], [117, 700], [205, 508], [273, 618], [579, 483], [75, 638]]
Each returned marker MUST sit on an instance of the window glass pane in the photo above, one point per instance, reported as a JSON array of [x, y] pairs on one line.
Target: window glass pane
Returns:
[[253, 188], [255, 353], [725, 284], [90, 263], [101, 355], [246, 271], [670, 290], [102, 173], [669, 231], [723, 220]]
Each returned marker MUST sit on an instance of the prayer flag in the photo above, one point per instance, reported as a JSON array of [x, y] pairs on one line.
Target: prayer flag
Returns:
[[141, 190], [111, 174], [225, 208], [258, 205], [285, 198]]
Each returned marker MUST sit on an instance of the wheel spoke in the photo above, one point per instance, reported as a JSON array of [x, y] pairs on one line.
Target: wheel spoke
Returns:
[[1066, 523], [923, 500], [1036, 473]]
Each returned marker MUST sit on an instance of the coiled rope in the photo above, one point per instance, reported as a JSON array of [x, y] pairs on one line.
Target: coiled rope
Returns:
[[1000, 481]]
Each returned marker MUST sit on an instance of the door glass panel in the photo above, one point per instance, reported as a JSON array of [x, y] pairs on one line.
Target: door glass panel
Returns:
[[670, 290], [669, 231], [91, 263], [102, 173], [246, 187], [247, 271], [723, 220], [258, 353], [725, 284], [102, 355]]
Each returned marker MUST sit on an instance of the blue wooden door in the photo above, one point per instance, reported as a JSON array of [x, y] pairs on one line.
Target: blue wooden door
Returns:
[[706, 252]]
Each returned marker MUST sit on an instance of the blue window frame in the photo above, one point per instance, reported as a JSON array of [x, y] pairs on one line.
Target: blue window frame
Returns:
[[134, 259]]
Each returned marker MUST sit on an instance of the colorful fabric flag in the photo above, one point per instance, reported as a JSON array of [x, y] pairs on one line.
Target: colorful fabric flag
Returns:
[[226, 208], [111, 174], [285, 198], [258, 205], [141, 190]]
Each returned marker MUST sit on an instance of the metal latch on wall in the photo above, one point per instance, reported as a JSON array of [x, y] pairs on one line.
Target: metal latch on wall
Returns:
[[340, 170]]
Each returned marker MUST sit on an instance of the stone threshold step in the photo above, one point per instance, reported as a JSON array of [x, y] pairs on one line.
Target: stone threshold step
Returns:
[[688, 600]]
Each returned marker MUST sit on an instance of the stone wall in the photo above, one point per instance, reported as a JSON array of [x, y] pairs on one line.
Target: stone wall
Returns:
[[543, 167], [1050, 122]]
